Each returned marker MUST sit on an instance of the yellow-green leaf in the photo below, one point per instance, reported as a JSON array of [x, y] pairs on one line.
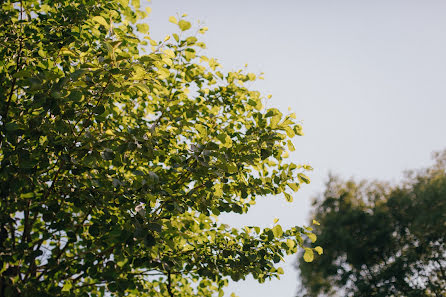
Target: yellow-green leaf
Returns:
[[319, 250], [288, 197], [316, 222], [277, 231], [143, 28], [232, 168], [67, 286], [66, 52], [308, 255], [307, 167], [184, 25], [203, 30], [312, 237], [101, 20], [173, 20], [136, 3], [294, 186], [303, 178], [169, 53]]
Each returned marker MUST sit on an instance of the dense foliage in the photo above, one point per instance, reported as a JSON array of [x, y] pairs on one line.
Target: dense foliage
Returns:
[[381, 240], [119, 152]]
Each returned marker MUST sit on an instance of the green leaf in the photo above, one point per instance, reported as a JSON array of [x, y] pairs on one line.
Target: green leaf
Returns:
[[100, 109], [27, 195], [319, 250], [232, 168], [11, 127], [136, 3], [173, 19], [294, 186], [184, 25], [101, 20], [23, 73], [303, 178], [312, 237], [275, 120], [67, 286], [308, 255], [277, 231], [143, 28], [169, 53]]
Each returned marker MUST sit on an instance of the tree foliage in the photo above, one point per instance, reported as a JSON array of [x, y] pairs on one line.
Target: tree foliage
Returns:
[[119, 152], [381, 240]]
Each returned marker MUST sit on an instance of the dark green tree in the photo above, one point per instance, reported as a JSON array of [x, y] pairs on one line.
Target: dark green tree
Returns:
[[381, 240], [119, 152]]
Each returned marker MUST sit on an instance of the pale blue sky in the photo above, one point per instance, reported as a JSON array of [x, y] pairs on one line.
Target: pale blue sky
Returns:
[[368, 79]]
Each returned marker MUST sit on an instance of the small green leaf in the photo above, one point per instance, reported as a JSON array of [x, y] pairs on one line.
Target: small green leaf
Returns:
[[319, 250], [203, 30], [173, 20], [184, 25], [11, 127], [307, 167], [101, 20], [308, 255], [143, 28], [170, 53], [100, 109], [67, 286], [136, 3], [294, 186], [312, 237], [232, 168], [277, 231], [303, 178], [27, 195]]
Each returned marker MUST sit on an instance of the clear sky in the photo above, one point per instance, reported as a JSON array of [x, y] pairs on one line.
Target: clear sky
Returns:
[[367, 78]]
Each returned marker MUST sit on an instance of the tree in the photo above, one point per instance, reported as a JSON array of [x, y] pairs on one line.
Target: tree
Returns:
[[381, 240], [118, 153]]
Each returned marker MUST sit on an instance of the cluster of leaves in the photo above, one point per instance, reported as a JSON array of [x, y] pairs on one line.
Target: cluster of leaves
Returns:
[[381, 240], [118, 152]]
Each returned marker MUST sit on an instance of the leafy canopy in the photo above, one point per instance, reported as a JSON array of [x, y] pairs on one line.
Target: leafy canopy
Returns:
[[119, 152], [381, 240]]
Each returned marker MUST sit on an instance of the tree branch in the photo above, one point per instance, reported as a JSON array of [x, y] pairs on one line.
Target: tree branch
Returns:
[[169, 284]]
